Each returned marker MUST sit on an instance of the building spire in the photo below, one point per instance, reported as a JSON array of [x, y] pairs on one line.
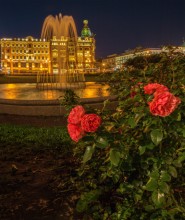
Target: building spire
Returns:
[[86, 32]]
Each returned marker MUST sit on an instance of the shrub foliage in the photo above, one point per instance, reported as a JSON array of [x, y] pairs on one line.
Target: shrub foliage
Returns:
[[132, 167]]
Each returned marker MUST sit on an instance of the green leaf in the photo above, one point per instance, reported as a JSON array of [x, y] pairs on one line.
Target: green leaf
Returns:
[[131, 122], [137, 197], [151, 185], [179, 116], [174, 211], [156, 136], [138, 117], [142, 149], [81, 205], [150, 146], [158, 198], [181, 157], [164, 187], [114, 157], [165, 176], [88, 153], [101, 142], [149, 208], [154, 174], [168, 160], [183, 133], [173, 171], [86, 199], [177, 163]]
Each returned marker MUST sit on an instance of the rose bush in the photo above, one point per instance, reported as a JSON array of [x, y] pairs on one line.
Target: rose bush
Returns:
[[133, 164]]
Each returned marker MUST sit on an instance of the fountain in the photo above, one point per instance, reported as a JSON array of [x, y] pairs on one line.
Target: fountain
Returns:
[[61, 32], [65, 80], [58, 26], [67, 54]]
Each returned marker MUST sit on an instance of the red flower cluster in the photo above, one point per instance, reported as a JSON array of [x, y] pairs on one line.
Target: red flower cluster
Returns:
[[90, 122], [76, 115], [164, 102], [75, 132], [154, 87], [79, 123]]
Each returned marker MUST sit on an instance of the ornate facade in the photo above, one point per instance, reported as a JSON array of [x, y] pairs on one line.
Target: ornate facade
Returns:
[[58, 50], [26, 55]]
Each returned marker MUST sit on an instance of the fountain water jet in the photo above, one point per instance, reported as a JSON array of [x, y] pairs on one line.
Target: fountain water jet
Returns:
[[58, 26], [61, 31], [60, 81]]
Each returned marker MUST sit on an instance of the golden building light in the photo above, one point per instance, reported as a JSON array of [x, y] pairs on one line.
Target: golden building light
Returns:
[[59, 49]]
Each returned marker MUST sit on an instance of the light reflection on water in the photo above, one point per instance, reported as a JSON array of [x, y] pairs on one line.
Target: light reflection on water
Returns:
[[28, 91]]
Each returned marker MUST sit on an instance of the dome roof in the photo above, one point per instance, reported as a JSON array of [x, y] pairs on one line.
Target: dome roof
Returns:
[[86, 32]]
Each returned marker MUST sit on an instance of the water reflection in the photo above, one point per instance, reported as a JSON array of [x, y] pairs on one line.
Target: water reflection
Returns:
[[28, 91]]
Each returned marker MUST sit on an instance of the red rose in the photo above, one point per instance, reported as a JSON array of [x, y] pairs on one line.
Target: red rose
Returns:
[[154, 87], [76, 115], [75, 132], [90, 122], [164, 104]]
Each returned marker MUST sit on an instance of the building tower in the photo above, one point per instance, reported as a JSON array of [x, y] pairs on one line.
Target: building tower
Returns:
[[86, 49], [68, 51]]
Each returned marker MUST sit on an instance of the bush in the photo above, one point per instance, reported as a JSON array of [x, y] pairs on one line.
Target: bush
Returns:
[[132, 167]]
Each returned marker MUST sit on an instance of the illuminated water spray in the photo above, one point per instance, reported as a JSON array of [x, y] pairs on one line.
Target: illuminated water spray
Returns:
[[58, 26], [61, 32]]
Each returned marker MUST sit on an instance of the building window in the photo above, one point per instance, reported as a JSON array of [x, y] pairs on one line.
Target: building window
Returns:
[[15, 64], [23, 64]]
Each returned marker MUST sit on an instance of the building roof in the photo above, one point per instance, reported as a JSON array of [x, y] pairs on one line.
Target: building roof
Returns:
[[86, 32]]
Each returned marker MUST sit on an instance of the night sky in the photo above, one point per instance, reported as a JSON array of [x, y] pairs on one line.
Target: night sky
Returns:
[[119, 25]]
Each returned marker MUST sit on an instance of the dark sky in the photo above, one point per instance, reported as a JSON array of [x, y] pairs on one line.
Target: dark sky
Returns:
[[118, 24]]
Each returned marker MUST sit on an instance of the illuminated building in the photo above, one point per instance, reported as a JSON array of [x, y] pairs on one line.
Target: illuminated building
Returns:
[[116, 61], [59, 50], [27, 55]]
